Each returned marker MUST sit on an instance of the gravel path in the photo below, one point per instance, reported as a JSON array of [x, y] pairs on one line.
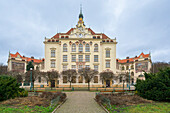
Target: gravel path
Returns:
[[80, 102]]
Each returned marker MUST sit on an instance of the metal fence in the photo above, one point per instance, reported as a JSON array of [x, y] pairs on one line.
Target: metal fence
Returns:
[[54, 102]]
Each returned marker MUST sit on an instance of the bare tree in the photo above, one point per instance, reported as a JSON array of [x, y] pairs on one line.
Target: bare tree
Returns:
[[156, 66], [35, 75], [19, 76], [88, 74], [70, 73], [51, 75], [3, 69], [107, 75]]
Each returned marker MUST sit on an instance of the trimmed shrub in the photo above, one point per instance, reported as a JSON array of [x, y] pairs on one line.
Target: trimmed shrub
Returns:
[[155, 86], [22, 92], [8, 87]]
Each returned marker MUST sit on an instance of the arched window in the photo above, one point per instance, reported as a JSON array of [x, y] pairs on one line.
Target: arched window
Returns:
[[87, 48], [64, 79], [80, 79], [65, 47], [132, 66], [132, 73], [74, 79], [80, 48], [123, 68], [95, 47], [73, 47]]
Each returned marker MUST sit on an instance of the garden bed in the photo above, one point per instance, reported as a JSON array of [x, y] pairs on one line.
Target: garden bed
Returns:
[[120, 101], [42, 102]]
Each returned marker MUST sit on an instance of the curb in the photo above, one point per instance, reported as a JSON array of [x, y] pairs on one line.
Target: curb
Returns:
[[59, 106], [102, 106]]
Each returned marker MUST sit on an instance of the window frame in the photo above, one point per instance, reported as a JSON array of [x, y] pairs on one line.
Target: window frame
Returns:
[[52, 53], [80, 47], [64, 58], [64, 47], [73, 59], [96, 58], [73, 48], [87, 58], [87, 48], [107, 63], [96, 48], [107, 53]]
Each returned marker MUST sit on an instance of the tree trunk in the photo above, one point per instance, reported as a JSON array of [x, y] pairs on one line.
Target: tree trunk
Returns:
[[33, 85], [70, 84], [51, 85], [89, 86]]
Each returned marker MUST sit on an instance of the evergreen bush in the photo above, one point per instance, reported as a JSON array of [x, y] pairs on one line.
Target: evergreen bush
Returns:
[[8, 87], [155, 86]]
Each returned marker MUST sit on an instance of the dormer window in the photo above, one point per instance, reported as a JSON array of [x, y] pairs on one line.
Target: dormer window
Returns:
[[98, 37], [62, 36], [94, 37]]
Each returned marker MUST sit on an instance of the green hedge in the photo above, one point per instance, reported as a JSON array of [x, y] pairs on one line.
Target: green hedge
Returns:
[[9, 88], [155, 86]]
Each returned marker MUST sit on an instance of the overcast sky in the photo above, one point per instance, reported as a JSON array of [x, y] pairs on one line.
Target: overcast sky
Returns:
[[138, 25]]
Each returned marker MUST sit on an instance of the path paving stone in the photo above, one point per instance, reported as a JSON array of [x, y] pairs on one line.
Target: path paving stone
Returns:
[[80, 102]]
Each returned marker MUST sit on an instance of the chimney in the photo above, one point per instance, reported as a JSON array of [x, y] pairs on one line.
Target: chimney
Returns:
[[127, 57], [23, 56], [32, 57], [135, 56]]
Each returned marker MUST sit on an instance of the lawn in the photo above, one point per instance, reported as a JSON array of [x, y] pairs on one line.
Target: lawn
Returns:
[[149, 108], [24, 109], [157, 107]]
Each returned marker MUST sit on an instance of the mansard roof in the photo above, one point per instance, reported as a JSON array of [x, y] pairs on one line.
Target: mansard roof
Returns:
[[89, 29], [133, 58], [26, 58]]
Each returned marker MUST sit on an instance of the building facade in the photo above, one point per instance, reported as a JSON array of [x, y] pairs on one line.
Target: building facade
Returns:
[[79, 48]]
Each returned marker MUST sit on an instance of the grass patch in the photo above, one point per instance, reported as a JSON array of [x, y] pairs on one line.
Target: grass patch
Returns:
[[25, 109], [157, 107]]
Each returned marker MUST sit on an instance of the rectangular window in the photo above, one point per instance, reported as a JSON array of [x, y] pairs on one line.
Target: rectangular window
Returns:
[[107, 64], [87, 58], [52, 53], [87, 66], [64, 67], [64, 58], [80, 67], [52, 63], [95, 58], [73, 58], [107, 53], [73, 67], [96, 67], [80, 58]]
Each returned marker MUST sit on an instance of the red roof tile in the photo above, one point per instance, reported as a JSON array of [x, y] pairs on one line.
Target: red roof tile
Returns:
[[26, 58], [133, 59]]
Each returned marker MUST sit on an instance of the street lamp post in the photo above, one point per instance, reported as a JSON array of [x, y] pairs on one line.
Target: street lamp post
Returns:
[[31, 78], [129, 79]]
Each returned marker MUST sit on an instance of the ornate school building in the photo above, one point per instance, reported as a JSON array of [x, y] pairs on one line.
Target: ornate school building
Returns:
[[78, 48]]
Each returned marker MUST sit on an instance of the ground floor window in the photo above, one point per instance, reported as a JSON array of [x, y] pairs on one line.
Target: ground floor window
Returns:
[[95, 79], [80, 79], [74, 79], [64, 79]]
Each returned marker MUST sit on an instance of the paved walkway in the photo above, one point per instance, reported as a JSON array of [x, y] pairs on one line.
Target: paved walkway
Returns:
[[80, 102]]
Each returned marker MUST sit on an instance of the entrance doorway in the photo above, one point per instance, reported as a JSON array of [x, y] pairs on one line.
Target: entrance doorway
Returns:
[[53, 83], [107, 83]]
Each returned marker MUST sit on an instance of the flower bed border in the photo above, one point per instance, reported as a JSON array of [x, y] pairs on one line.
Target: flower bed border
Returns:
[[59, 105]]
